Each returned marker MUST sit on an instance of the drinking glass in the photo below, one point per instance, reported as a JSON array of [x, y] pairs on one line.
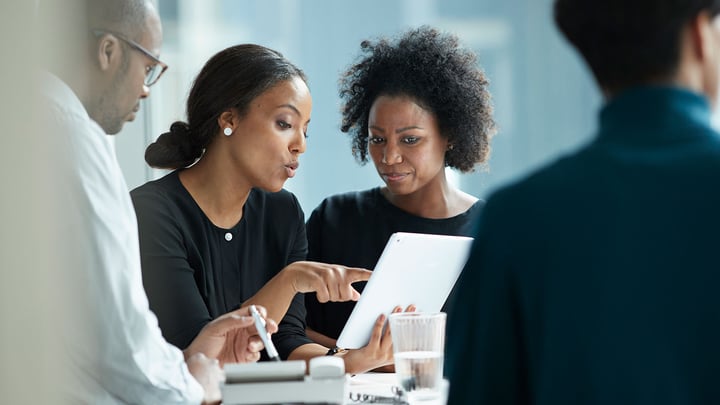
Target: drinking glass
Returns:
[[418, 346]]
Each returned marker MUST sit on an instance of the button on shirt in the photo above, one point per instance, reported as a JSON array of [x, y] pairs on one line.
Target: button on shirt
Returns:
[[116, 353]]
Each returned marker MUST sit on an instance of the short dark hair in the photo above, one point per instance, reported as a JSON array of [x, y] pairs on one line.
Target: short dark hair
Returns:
[[231, 79], [628, 42], [431, 68]]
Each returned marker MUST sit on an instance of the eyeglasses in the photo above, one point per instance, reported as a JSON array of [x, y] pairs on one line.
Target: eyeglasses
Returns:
[[152, 73]]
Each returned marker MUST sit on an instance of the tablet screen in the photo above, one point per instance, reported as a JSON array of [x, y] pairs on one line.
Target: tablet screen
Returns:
[[414, 268]]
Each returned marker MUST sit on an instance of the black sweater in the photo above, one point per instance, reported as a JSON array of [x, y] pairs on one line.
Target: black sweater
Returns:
[[193, 274], [352, 229]]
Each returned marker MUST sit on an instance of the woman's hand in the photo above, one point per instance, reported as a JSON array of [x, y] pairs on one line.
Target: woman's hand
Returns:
[[331, 282], [379, 350]]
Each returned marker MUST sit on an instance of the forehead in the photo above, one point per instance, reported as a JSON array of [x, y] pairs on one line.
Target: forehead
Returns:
[[292, 92], [398, 109]]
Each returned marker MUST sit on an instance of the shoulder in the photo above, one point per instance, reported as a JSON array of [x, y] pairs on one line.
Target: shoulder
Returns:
[[558, 173], [354, 201], [529, 199], [160, 189], [475, 209], [87, 165], [67, 122], [62, 105], [157, 198]]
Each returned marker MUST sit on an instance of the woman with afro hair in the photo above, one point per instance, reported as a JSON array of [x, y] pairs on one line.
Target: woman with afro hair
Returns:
[[415, 105]]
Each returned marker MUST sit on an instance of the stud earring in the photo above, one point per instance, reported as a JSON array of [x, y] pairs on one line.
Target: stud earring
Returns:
[[227, 131]]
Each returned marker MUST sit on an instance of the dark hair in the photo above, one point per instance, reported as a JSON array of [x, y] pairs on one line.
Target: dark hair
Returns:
[[628, 42], [230, 79], [429, 67]]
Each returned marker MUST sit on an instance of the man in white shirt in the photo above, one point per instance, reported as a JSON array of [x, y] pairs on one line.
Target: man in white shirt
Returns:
[[115, 350]]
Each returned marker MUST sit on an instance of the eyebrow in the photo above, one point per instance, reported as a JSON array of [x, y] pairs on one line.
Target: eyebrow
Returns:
[[398, 130], [292, 107]]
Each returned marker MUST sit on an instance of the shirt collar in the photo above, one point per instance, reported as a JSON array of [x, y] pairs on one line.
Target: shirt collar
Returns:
[[654, 112], [59, 93]]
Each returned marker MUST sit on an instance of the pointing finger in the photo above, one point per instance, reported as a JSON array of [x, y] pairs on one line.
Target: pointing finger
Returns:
[[354, 274]]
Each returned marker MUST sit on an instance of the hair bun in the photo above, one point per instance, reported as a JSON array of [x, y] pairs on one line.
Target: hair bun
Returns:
[[173, 149], [180, 129]]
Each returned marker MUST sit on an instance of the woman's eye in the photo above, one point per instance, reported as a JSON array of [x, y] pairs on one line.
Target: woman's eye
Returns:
[[376, 140], [284, 125], [410, 140]]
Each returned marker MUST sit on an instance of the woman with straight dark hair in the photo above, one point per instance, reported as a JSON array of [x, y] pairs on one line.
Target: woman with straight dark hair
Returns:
[[219, 232]]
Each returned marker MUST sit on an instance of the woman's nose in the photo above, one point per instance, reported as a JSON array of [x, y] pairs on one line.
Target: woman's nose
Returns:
[[299, 143], [391, 155]]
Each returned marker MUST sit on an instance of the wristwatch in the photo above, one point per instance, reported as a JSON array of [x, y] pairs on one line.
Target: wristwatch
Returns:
[[335, 350]]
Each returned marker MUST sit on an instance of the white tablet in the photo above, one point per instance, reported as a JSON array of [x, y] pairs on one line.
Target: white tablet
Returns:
[[414, 268]]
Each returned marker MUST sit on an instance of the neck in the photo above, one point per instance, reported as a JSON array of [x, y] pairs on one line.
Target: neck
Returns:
[[219, 192], [68, 54], [79, 83], [437, 200]]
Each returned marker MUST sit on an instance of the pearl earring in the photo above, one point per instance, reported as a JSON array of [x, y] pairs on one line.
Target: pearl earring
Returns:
[[227, 131]]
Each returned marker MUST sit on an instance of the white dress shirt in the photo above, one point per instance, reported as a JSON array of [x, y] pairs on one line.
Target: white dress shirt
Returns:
[[116, 353]]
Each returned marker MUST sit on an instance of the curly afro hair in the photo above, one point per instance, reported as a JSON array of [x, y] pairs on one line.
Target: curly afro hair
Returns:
[[429, 67]]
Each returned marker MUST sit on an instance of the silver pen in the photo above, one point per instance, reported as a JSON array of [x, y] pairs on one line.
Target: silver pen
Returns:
[[264, 335]]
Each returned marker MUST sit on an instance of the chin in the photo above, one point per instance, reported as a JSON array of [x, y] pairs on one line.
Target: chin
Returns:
[[395, 190], [112, 129], [272, 188]]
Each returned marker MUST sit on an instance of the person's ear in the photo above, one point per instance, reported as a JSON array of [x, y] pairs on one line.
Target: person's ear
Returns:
[[227, 119], [703, 37], [699, 63], [109, 52]]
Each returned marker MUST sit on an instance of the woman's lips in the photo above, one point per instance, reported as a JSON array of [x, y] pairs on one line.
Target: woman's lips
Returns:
[[291, 168], [394, 176]]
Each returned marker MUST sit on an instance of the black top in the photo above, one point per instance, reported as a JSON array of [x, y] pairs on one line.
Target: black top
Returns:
[[352, 229], [192, 273], [595, 280]]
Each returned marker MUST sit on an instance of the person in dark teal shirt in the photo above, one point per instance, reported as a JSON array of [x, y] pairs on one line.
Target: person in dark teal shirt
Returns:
[[596, 279]]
